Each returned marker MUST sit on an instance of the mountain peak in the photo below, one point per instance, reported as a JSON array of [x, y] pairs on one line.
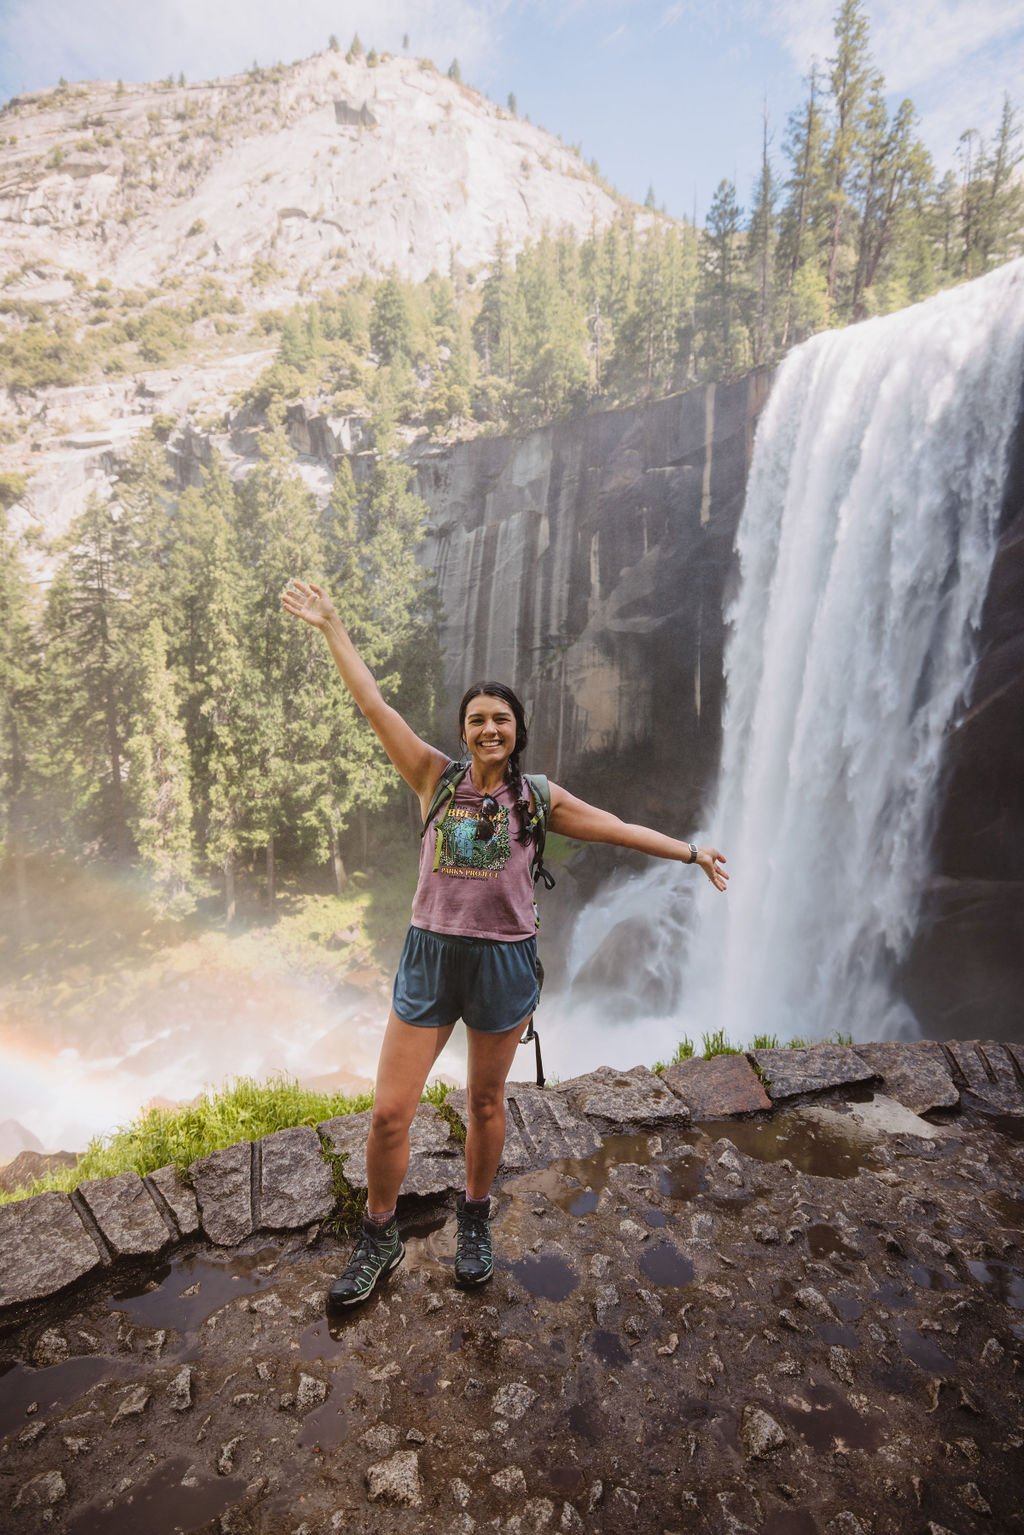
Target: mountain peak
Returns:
[[283, 180]]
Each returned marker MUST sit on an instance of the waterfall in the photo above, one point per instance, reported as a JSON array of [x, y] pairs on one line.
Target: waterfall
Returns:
[[864, 552]]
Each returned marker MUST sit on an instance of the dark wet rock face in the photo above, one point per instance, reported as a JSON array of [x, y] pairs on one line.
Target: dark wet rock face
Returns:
[[804, 1321]]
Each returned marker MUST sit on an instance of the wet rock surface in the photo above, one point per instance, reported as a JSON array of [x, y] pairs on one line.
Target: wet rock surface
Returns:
[[809, 1323]]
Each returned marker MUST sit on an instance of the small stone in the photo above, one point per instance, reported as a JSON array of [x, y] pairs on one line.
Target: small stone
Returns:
[[226, 1458], [381, 1439], [627, 1500], [76, 1445], [672, 1344], [971, 1497], [538, 1514], [132, 1403], [31, 1434], [840, 1362], [245, 1399], [43, 1491], [845, 1524], [265, 1369], [768, 1235], [179, 1392], [787, 1319], [51, 1348], [416, 1436], [594, 1496], [514, 1400], [570, 1522], [396, 1480], [813, 1300], [636, 1326], [191, 1477], [460, 1492], [311, 1393], [473, 1387], [993, 1352], [433, 1303], [759, 1433], [510, 1481], [605, 1302]]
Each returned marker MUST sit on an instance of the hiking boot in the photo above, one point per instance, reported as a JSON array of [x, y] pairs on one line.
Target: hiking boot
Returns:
[[378, 1251], [474, 1256]]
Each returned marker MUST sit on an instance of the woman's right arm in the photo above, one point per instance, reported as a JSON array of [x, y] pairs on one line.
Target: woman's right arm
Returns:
[[419, 763]]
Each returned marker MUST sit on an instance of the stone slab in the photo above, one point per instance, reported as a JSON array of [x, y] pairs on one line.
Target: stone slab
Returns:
[[435, 1161], [181, 1200], [916, 1073], [719, 1088], [223, 1185], [296, 1187], [123, 1209], [989, 1070], [43, 1247], [541, 1126], [815, 1069], [624, 1100]]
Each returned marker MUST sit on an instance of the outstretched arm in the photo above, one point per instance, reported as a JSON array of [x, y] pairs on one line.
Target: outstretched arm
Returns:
[[419, 764], [573, 817]]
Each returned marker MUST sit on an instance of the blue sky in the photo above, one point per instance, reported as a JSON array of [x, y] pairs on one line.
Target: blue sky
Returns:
[[662, 93]]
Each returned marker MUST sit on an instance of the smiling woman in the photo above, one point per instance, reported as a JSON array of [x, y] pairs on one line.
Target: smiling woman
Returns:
[[471, 950]]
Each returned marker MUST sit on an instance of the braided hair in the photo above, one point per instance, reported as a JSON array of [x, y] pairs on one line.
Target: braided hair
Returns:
[[513, 772]]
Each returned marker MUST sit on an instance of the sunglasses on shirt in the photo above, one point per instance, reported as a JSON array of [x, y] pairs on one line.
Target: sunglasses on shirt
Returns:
[[485, 821]]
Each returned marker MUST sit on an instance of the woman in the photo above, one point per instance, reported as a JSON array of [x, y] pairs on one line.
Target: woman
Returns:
[[471, 949]]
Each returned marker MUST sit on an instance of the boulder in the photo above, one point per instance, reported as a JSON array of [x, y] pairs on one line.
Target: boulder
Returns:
[[223, 1185], [296, 1187], [43, 1247]]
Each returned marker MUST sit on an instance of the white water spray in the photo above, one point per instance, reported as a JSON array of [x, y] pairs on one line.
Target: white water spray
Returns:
[[865, 548]]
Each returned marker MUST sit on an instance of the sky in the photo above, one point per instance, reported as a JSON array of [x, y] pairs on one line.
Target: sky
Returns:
[[668, 94]]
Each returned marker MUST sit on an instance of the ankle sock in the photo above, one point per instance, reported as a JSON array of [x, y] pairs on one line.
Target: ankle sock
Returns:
[[381, 1220], [477, 1206]]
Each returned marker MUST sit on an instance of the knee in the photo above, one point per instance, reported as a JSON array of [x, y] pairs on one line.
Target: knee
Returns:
[[486, 1106], [390, 1120]]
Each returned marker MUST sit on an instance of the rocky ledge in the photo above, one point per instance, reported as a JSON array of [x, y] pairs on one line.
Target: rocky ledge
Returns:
[[757, 1293]]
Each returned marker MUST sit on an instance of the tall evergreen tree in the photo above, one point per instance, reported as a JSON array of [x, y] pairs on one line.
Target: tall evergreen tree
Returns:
[[803, 219], [852, 78], [158, 788], [18, 669]]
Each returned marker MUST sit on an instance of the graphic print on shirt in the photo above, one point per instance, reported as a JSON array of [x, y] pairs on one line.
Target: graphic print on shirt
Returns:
[[460, 852]]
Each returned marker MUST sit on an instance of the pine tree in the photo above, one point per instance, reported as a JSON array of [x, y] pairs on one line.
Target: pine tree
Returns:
[[722, 351], [18, 671], [158, 787], [760, 253], [803, 220], [391, 321], [852, 78]]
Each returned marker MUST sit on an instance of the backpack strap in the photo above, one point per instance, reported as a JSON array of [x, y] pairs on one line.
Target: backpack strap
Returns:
[[540, 791], [444, 791]]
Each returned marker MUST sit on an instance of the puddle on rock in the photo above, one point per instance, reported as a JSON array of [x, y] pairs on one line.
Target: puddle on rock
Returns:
[[574, 1184], [327, 1425], [545, 1275], [57, 1386], [608, 1347], [162, 1505], [1005, 1282], [823, 1241], [665, 1265], [923, 1352], [812, 1142], [216, 1282], [824, 1418]]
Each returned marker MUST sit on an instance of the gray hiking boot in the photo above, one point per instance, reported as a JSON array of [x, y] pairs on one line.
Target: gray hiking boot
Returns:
[[474, 1256], [378, 1251]]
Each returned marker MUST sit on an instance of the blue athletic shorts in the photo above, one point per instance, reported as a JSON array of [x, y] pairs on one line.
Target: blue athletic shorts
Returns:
[[441, 978]]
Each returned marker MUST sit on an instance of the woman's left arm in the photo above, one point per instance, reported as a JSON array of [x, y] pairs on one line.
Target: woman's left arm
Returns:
[[572, 817]]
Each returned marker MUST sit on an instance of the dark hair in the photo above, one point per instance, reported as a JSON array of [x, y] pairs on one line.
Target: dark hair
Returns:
[[513, 772]]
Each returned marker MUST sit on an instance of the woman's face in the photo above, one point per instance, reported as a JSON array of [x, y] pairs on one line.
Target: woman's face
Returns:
[[489, 729]]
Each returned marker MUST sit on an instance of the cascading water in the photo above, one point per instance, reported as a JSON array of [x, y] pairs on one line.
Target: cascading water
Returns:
[[864, 552]]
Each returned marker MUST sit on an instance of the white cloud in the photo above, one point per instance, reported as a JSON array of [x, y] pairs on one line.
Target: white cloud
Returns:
[[41, 40]]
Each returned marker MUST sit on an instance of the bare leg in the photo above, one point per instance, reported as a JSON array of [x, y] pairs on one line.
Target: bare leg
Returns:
[[406, 1057], [490, 1061]]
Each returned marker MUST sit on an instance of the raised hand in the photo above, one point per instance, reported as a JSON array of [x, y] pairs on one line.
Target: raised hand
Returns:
[[308, 602]]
